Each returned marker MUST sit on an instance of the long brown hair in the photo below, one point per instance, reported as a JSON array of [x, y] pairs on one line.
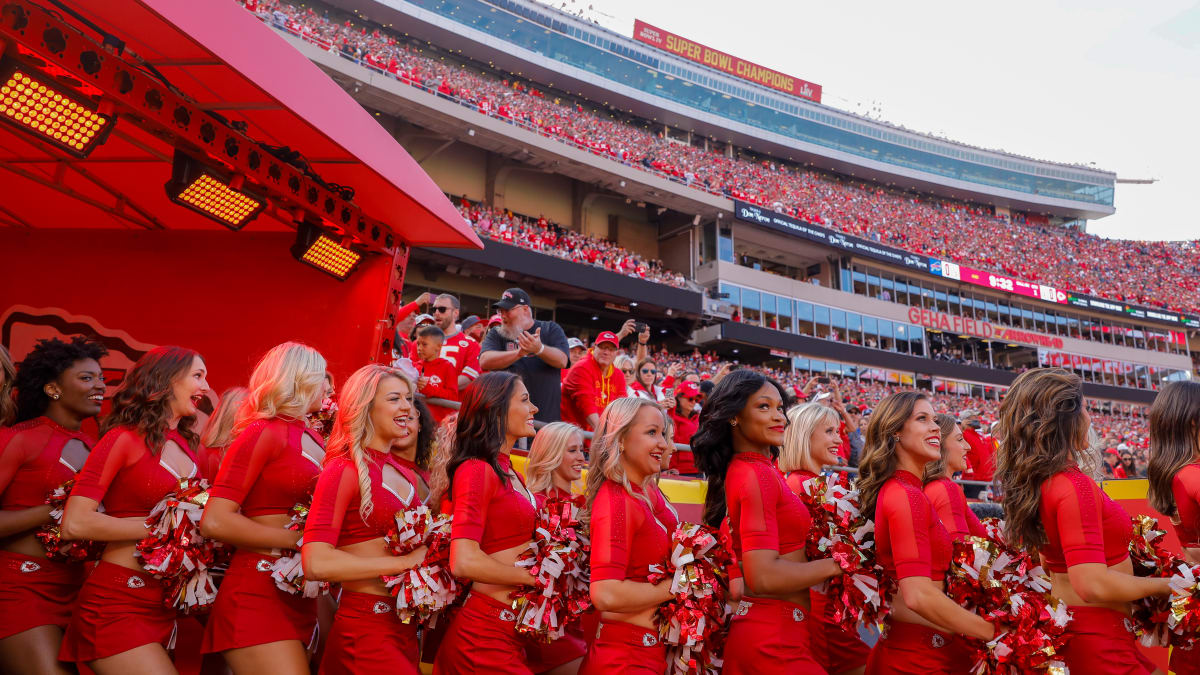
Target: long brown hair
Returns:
[[143, 401], [1174, 440], [937, 468], [879, 459], [482, 423], [1043, 430]]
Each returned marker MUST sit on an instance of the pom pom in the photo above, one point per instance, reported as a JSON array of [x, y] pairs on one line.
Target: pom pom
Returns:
[[557, 559], [50, 535], [176, 553], [425, 591], [693, 621], [1154, 618], [288, 570]]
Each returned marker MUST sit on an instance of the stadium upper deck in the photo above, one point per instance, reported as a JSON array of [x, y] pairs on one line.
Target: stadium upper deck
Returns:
[[574, 55]]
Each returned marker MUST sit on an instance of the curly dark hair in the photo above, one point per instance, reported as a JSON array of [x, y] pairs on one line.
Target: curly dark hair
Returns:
[[712, 443], [48, 360], [426, 434], [482, 421], [143, 402]]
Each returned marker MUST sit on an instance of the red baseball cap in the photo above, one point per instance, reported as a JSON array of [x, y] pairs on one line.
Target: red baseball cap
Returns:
[[608, 336], [495, 320], [688, 390]]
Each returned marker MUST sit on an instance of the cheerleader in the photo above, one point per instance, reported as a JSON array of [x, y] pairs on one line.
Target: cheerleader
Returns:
[[8, 373], [120, 623], [271, 466], [810, 443], [218, 433], [493, 523], [946, 496], [359, 491], [556, 462], [631, 524], [1083, 535], [1174, 474], [418, 457], [59, 385], [912, 544], [741, 428]]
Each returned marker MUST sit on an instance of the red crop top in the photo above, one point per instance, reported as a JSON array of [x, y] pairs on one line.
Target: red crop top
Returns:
[[950, 505], [1186, 486], [626, 535], [265, 469], [489, 510], [1083, 524], [555, 492], [31, 461], [909, 536], [128, 479], [335, 519], [764, 513]]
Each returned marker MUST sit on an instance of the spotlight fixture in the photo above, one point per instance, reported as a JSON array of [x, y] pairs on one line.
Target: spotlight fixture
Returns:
[[212, 192], [34, 102], [321, 250]]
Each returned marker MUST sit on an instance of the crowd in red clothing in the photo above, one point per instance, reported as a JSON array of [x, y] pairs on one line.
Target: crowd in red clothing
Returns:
[[546, 237], [1159, 274]]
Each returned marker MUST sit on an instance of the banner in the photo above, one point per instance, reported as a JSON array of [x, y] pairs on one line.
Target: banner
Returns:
[[727, 63]]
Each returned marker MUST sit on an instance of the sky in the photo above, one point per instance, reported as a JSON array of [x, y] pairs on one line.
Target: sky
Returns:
[[1112, 83]]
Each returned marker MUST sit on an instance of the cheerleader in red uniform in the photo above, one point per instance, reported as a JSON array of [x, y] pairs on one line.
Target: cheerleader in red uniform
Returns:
[[218, 432], [631, 524], [921, 636], [359, 491], [1174, 474], [1083, 535], [810, 443], [741, 428], [418, 457], [556, 462], [493, 523], [271, 466], [59, 385], [8, 373], [121, 624], [946, 496]]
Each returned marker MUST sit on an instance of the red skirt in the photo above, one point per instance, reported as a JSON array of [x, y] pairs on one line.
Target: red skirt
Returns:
[[622, 647], [1101, 642], [367, 637], [482, 638], [836, 649], [770, 636], [251, 610], [1185, 661], [36, 592], [913, 649], [543, 656], [118, 609]]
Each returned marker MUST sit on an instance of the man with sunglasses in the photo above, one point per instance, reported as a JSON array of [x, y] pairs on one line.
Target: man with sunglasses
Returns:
[[458, 349], [535, 350]]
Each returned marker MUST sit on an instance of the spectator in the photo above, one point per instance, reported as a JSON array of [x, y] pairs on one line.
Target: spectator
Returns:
[[534, 350], [646, 383], [406, 321], [593, 383], [625, 364], [981, 458], [578, 350], [436, 375], [474, 328], [685, 415], [457, 348], [854, 431]]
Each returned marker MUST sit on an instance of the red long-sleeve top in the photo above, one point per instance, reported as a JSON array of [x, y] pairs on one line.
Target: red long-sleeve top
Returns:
[[685, 427], [950, 505], [588, 389], [764, 514], [909, 536], [488, 509], [443, 383], [122, 474], [1083, 524], [981, 455], [1186, 487], [266, 470], [629, 532], [32, 461], [336, 518]]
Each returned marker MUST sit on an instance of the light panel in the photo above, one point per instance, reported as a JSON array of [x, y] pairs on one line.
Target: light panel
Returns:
[[328, 255], [214, 197], [34, 103]]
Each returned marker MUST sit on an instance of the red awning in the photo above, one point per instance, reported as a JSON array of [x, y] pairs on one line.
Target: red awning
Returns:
[[228, 62]]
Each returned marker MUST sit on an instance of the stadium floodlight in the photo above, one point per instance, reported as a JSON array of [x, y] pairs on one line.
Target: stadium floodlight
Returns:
[[34, 102], [319, 249], [213, 192]]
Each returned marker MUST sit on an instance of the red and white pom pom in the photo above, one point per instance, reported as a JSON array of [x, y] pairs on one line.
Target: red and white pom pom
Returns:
[[50, 536], [1183, 618], [175, 551], [557, 558], [693, 621], [425, 591], [1172, 620], [288, 570]]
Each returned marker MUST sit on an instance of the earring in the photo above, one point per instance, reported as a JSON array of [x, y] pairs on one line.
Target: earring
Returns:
[[55, 396], [733, 423]]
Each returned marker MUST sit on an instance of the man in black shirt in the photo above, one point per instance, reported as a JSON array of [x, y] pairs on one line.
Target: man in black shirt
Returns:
[[535, 350]]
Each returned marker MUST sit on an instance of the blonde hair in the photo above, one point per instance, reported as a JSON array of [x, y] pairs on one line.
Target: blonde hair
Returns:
[[443, 446], [803, 420], [8, 373], [218, 433], [546, 454], [285, 383], [608, 441], [352, 428]]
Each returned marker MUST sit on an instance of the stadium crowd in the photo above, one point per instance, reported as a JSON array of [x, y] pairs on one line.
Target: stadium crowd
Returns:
[[1156, 274]]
